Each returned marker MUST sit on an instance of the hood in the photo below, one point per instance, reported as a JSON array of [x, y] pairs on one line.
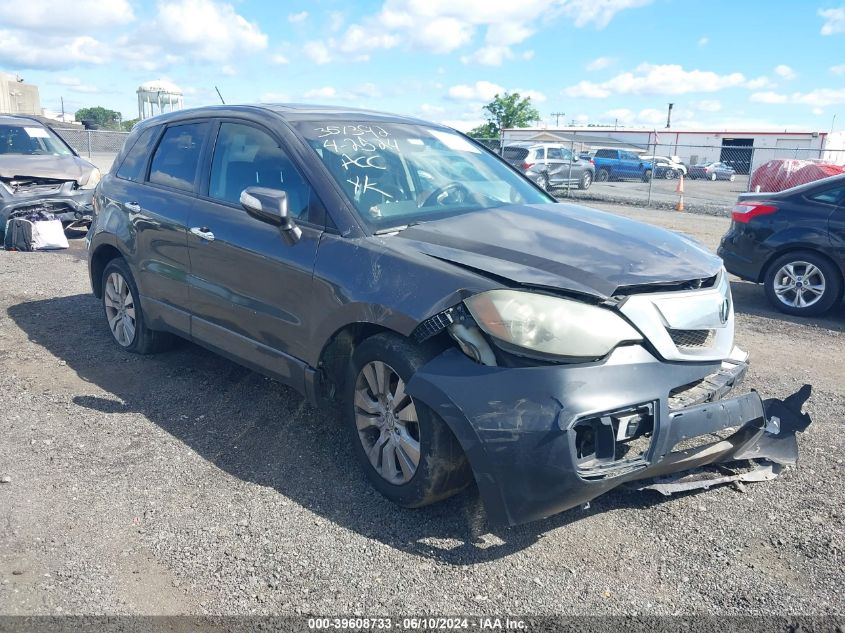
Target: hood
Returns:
[[45, 166], [563, 246]]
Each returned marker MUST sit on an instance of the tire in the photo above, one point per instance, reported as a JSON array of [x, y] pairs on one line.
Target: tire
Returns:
[[602, 175], [542, 181], [586, 180], [119, 289], [732, 177], [647, 175], [713, 176], [821, 291], [441, 469], [669, 174]]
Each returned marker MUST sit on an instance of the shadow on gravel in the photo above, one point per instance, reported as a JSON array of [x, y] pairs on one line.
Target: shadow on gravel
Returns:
[[750, 298], [263, 432]]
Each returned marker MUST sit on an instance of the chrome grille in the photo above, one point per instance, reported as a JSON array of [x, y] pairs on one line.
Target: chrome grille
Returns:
[[691, 338]]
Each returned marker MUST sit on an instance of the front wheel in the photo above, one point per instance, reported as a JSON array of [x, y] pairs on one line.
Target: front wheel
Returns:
[[646, 175], [542, 181], [123, 312], [803, 284], [406, 450], [585, 181], [713, 177]]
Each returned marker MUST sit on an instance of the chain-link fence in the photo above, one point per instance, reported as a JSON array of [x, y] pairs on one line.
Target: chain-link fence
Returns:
[[650, 174], [100, 146]]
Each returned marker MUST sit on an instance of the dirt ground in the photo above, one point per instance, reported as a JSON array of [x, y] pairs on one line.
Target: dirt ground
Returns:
[[183, 483]]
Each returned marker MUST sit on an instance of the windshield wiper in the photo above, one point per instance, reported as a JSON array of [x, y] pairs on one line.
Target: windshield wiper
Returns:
[[397, 229]]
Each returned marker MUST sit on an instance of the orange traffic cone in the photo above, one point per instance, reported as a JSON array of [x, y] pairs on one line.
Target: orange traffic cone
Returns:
[[680, 191]]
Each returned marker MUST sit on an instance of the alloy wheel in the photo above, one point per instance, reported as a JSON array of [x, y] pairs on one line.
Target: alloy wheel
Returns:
[[799, 284], [120, 309], [387, 424]]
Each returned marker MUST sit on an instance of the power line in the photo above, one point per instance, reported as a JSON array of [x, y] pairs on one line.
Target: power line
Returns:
[[557, 116]]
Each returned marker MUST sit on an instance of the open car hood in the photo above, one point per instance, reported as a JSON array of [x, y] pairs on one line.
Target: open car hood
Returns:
[[44, 166], [564, 246]]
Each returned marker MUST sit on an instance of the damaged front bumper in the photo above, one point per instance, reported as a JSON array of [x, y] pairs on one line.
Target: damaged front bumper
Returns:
[[67, 203], [544, 439]]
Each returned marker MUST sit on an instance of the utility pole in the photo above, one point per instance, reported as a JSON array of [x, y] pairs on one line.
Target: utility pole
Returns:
[[669, 116], [63, 108], [557, 116]]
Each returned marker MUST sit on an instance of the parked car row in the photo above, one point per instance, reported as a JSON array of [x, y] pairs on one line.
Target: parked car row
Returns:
[[712, 171]]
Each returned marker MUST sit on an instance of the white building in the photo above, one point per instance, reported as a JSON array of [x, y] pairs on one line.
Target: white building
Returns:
[[157, 97], [744, 149], [17, 96]]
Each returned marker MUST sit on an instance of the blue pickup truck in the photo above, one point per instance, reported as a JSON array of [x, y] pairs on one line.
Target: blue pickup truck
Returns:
[[620, 164]]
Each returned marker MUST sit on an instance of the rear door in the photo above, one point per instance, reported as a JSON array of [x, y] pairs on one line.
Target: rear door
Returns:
[[251, 292], [835, 197], [158, 213]]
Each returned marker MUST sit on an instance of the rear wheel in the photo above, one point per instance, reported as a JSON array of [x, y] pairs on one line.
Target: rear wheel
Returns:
[[670, 174], [732, 177], [602, 175], [406, 450], [803, 284], [646, 175], [586, 180], [542, 181], [713, 176], [124, 316]]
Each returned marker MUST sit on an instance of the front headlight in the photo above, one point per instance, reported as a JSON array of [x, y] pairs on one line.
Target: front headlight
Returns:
[[551, 326], [93, 179]]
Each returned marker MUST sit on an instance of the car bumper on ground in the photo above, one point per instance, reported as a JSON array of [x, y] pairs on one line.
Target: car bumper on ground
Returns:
[[544, 439]]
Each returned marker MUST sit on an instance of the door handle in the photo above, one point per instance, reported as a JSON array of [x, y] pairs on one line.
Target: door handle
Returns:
[[133, 206], [203, 233]]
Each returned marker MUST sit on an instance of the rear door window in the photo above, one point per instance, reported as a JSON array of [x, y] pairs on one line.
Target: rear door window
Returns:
[[134, 165], [177, 156], [830, 196]]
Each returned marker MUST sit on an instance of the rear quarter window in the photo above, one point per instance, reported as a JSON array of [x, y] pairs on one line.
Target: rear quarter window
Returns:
[[135, 163], [830, 196], [606, 153]]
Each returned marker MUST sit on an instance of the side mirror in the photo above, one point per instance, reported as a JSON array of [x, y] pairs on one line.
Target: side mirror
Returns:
[[271, 206]]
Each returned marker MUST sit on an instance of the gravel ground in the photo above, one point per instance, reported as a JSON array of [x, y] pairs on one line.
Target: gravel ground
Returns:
[[182, 483]]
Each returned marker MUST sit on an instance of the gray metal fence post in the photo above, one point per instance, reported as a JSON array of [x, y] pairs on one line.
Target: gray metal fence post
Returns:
[[569, 176], [89, 143], [651, 180], [750, 170]]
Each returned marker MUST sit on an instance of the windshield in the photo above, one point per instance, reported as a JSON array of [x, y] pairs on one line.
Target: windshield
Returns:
[[31, 140], [400, 174]]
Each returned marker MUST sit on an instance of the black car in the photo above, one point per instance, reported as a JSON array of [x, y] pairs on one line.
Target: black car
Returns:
[[793, 242], [468, 327]]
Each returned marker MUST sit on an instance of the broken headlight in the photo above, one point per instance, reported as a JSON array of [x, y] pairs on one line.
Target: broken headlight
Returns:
[[93, 179], [534, 324]]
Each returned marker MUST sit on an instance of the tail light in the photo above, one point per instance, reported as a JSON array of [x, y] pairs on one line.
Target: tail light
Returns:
[[744, 211], [526, 165], [592, 162]]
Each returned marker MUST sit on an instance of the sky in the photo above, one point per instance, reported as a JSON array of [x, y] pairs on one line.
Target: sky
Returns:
[[753, 64]]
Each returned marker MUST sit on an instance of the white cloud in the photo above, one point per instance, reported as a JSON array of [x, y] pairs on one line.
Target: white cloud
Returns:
[[768, 97], [534, 95], [207, 29], [229, 70], [479, 91], [74, 84], [336, 21], [760, 83], [464, 125], [834, 20], [293, 18], [488, 56], [428, 109], [442, 26], [667, 79], [785, 72], [703, 41], [65, 17], [317, 52], [279, 59], [818, 111], [274, 97], [527, 55], [838, 70], [326, 92], [21, 49], [820, 97], [600, 63], [708, 105]]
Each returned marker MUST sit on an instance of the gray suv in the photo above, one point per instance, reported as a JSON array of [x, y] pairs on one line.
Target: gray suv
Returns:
[[550, 166], [466, 327]]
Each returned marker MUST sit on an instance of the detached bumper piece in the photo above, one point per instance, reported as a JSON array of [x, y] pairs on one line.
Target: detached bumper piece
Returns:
[[544, 439]]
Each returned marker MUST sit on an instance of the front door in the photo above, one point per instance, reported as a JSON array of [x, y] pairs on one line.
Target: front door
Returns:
[[251, 292]]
